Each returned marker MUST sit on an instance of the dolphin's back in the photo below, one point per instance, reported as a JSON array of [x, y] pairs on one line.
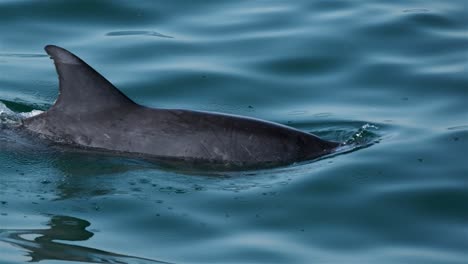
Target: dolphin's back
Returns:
[[91, 112]]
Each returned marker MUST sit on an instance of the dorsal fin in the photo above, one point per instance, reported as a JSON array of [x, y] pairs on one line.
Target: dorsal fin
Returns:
[[83, 89]]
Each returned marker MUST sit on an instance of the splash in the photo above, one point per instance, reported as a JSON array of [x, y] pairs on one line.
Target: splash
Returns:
[[8, 117], [30, 114], [364, 137]]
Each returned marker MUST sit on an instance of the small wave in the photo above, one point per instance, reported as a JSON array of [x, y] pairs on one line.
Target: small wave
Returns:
[[30, 114], [8, 117]]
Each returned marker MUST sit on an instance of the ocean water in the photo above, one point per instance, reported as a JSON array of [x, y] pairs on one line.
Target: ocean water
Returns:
[[390, 76]]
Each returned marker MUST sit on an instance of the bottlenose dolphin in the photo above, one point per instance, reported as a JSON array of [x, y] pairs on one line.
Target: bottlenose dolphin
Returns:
[[91, 112]]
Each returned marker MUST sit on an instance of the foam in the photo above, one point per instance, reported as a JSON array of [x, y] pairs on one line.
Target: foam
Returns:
[[7, 116]]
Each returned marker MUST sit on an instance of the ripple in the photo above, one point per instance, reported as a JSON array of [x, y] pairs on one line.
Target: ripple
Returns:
[[39, 242], [462, 127], [137, 33], [295, 66], [416, 10], [432, 20], [23, 55], [328, 67]]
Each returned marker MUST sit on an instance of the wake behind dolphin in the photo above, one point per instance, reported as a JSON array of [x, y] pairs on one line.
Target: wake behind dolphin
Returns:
[[90, 112]]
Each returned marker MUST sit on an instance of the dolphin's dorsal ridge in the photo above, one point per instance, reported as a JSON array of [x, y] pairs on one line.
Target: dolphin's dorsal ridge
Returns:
[[83, 89]]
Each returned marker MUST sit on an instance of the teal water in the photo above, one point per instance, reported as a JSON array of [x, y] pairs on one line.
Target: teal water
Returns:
[[393, 73]]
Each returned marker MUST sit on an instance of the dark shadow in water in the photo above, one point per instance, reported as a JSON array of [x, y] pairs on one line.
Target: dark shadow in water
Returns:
[[81, 170], [65, 228], [137, 33]]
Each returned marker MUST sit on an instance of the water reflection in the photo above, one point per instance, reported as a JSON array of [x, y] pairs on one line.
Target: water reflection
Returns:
[[39, 243], [80, 171]]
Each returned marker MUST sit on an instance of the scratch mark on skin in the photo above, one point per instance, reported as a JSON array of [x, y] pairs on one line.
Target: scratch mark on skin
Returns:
[[213, 131], [181, 118], [233, 141], [248, 151], [205, 149]]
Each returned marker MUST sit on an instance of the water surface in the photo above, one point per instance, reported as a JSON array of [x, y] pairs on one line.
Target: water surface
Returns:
[[393, 73]]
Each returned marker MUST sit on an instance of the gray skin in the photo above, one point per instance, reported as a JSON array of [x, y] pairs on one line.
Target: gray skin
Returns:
[[90, 112]]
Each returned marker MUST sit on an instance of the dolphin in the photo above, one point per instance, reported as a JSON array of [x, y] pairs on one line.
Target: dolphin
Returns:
[[92, 113]]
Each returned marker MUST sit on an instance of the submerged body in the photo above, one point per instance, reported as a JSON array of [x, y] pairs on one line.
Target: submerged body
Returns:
[[91, 112]]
